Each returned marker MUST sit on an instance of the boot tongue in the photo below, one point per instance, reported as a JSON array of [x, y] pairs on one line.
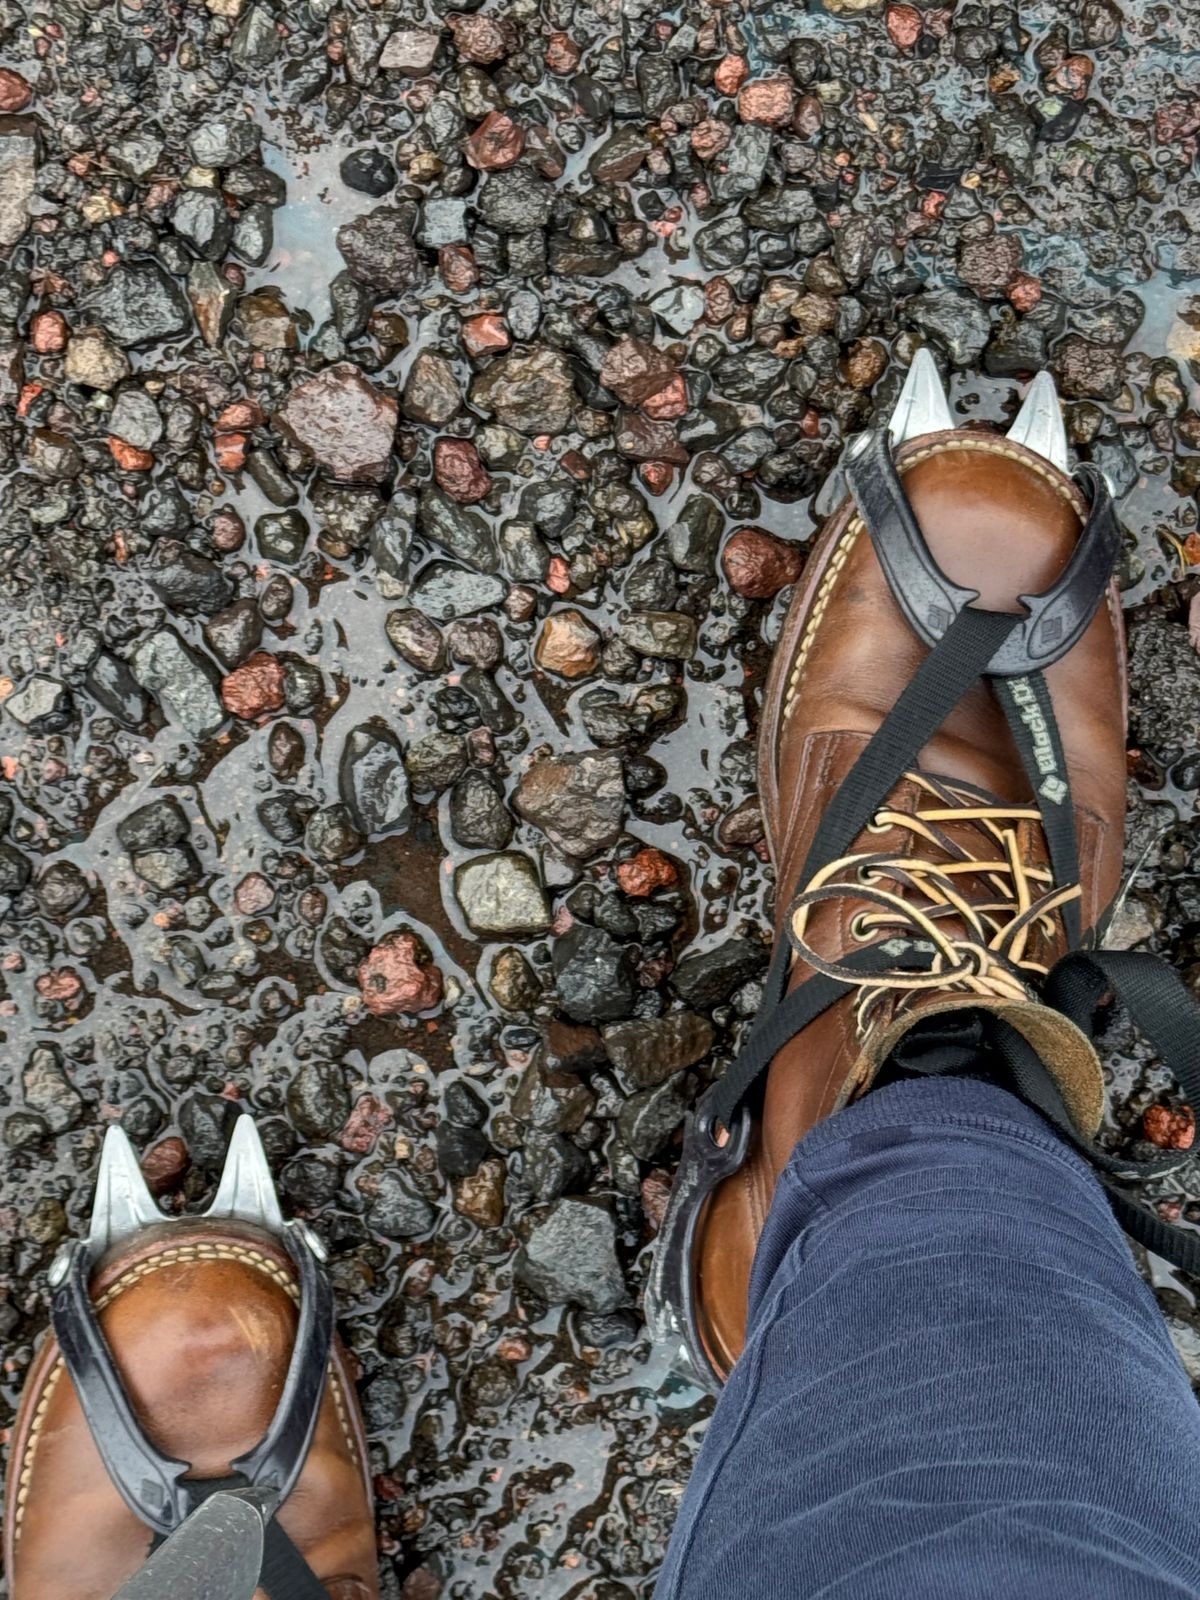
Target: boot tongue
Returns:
[[950, 1034]]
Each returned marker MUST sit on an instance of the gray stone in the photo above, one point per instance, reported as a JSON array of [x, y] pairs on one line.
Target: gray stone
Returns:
[[501, 897], [532, 391], [571, 1257], [180, 681], [577, 800], [202, 218], [373, 783], [443, 591], [18, 175], [593, 974], [138, 304], [135, 418], [224, 141]]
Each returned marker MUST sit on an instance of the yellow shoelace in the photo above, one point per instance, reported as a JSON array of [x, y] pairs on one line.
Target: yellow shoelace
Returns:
[[986, 951]]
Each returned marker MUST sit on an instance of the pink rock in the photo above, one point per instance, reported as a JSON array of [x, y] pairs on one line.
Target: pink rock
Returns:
[[255, 688], [459, 471], [757, 564], [769, 101], [343, 422], [253, 895], [397, 978], [364, 1124]]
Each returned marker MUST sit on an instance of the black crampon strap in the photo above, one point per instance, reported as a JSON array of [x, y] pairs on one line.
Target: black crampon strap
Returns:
[[1008, 651]]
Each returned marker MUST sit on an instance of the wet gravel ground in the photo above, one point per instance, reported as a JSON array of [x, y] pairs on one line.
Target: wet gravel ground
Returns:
[[411, 422]]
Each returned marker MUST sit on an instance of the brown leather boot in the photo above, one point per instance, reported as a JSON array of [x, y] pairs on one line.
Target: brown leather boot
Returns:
[[187, 1354], [942, 772]]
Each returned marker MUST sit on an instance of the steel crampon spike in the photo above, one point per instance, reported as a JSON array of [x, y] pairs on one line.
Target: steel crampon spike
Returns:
[[247, 1190], [1039, 424], [922, 406], [123, 1204]]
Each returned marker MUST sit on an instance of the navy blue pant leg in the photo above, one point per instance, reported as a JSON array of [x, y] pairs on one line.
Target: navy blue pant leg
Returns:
[[955, 1385]]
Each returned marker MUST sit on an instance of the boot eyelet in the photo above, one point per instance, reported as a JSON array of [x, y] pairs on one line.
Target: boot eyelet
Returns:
[[858, 932]]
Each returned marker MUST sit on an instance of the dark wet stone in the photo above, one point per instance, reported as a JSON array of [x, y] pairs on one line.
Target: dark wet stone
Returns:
[[254, 234], [419, 641], [742, 164], [164, 509], [378, 249], [593, 975], [397, 1211], [373, 782], [692, 541], [1163, 662], [706, 978], [513, 982], [479, 819], [956, 322], [234, 633], [502, 897], [206, 1122], [646, 1052], [152, 826], [62, 890], [14, 870], [459, 1150], [648, 1119], [722, 244], [213, 299], [461, 533], [185, 580], [749, 375], [431, 393], [23, 1130], [516, 200], [670, 634], [369, 171], [181, 682], [571, 1257], [281, 536], [435, 761], [553, 1166], [1087, 370], [331, 834], [138, 304], [136, 419], [343, 950], [443, 591], [202, 218], [318, 1099], [1017, 347], [285, 816], [256, 41], [224, 141], [577, 800], [532, 391]]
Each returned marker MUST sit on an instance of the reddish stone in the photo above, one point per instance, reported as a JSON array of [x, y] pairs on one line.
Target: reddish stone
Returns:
[[15, 93], [1168, 1129], [228, 530], [230, 451], [757, 564], [255, 688], [496, 143], [364, 1124], [770, 101], [128, 457], [809, 117], [709, 138], [485, 333], [719, 301], [62, 984], [668, 403], [456, 263], [568, 645], [731, 74], [459, 471], [1179, 119], [904, 25], [483, 39], [563, 55], [421, 1584], [647, 871], [343, 422], [240, 416], [394, 979], [48, 332], [558, 578], [1072, 76], [657, 476], [164, 1165], [1025, 291], [634, 369], [253, 895], [656, 1191], [577, 464]]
